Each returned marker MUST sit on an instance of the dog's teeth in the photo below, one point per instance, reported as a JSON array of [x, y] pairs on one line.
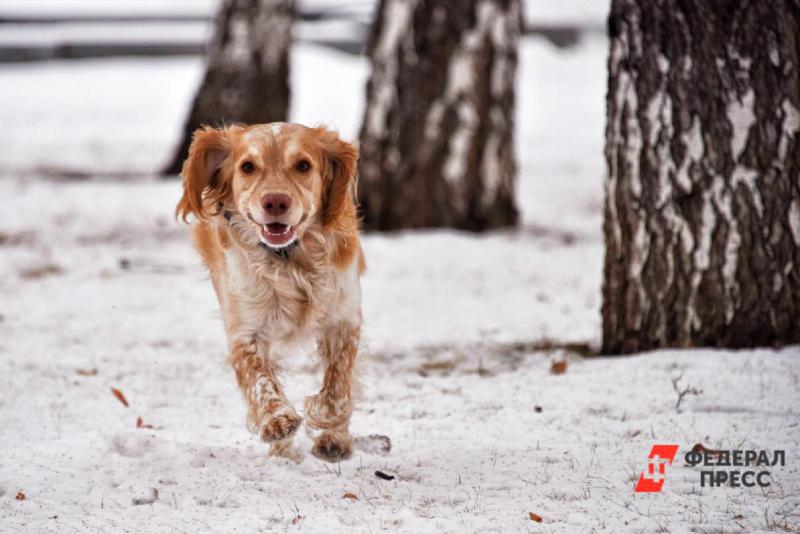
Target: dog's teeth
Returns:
[[287, 230]]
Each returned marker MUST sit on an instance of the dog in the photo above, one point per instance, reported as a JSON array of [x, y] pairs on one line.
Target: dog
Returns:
[[276, 226]]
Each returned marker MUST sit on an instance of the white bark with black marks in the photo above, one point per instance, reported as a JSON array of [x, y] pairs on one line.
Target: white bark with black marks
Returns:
[[703, 154], [437, 140], [247, 70]]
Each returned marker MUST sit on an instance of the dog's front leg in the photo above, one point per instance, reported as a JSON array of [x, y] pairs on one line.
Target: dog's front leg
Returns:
[[330, 409], [269, 414]]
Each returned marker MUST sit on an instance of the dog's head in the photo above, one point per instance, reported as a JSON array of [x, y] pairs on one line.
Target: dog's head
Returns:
[[281, 177]]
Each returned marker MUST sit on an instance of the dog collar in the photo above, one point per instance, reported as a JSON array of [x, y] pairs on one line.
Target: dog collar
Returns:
[[283, 252]]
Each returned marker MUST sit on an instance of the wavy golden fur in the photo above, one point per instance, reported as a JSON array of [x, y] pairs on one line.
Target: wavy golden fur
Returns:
[[277, 228]]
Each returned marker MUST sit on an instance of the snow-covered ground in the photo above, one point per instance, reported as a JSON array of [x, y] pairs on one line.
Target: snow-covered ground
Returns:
[[100, 289]]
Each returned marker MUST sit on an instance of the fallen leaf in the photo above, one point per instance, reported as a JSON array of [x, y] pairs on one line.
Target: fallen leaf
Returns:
[[140, 424], [350, 496], [120, 397], [384, 476], [21, 496], [443, 367], [535, 517], [702, 449], [87, 372], [559, 367], [297, 519], [41, 271]]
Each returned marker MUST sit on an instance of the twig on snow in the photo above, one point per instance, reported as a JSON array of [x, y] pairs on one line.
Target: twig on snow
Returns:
[[682, 393]]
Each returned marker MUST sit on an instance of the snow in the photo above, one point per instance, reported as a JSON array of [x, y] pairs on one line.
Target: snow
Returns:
[[186, 32], [105, 116], [120, 32], [101, 289], [340, 105], [77, 118], [560, 120], [589, 13]]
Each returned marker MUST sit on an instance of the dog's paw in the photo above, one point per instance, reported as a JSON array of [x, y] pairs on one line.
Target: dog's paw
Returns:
[[333, 446], [280, 425]]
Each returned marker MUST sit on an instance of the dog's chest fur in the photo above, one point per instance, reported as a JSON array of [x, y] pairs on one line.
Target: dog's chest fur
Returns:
[[271, 298], [274, 298]]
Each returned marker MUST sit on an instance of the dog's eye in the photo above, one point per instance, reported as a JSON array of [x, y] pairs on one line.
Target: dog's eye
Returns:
[[248, 167], [303, 165]]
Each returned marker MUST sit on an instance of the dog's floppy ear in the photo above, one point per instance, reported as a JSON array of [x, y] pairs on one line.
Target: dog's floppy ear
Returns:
[[202, 172], [340, 176]]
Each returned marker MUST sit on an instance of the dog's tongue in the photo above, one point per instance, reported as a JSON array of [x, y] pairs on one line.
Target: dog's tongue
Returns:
[[277, 234]]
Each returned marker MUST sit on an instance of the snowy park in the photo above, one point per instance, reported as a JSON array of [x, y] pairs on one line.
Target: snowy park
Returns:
[[487, 405]]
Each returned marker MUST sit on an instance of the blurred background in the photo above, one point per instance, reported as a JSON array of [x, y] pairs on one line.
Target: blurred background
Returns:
[[102, 91]]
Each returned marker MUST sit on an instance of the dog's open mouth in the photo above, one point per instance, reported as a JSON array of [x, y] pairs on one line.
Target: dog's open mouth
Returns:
[[277, 234]]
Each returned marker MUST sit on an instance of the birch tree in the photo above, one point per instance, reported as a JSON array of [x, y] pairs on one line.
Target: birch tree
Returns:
[[437, 141], [247, 69], [702, 210]]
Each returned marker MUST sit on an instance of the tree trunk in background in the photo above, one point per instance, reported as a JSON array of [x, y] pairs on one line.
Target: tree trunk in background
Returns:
[[702, 214], [437, 143], [247, 69]]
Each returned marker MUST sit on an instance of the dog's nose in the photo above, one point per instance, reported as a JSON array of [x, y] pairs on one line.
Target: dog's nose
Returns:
[[276, 204]]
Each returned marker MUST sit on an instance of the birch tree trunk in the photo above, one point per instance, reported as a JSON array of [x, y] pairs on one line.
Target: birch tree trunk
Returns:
[[247, 69], [437, 142], [702, 213]]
